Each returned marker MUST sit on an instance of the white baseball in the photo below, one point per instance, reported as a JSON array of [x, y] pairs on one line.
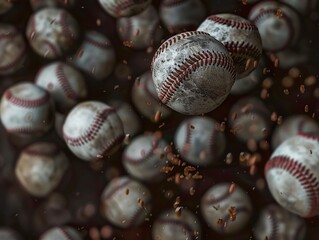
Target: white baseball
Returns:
[[292, 126], [240, 37], [274, 222], [304, 7], [142, 30], [93, 130], [52, 32], [181, 15], [292, 174], [145, 99], [95, 56], [13, 49], [58, 123], [249, 119], [37, 4], [192, 72], [61, 233], [171, 225], [124, 8], [5, 6], [279, 25], [9, 234], [144, 157], [26, 109], [226, 211], [40, 168], [125, 202], [65, 84], [199, 141]]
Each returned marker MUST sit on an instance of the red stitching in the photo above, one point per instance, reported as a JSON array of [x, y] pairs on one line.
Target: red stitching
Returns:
[[94, 128], [27, 103], [190, 65], [63, 81], [240, 49], [273, 222], [9, 35], [64, 24], [25, 130], [171, 3], [309, 136], [182, 224], [232, 23], [226, 218], [52, 151], [174, 40], [111, 144], [103, 45], [121, 5], [117, 188], [65, 233], [304, 175], [138, 212]]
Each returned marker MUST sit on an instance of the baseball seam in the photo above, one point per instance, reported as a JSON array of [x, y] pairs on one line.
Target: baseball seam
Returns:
[[65, 26], [304, 175], [241, 50], [99, 44], [232, 23], [309, 136], [26, 130], [212, 200], [63, 82], [274, 224], [186, 228], [51, 153], [139, 211], [120, 6], [189, 66], [27, 103]]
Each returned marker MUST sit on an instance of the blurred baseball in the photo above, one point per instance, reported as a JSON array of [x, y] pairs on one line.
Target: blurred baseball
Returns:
[[144, 157], [275, 222], [65, 84], [13, 49], [200, 141], [37, 4], [58, 123], [61, 233], [175, 225], [125, 202], [95, 56], [193, 73], [278, 25], [226, 210], [9, 234], [26, 109], [292, 174], [142, 30], [183, 15], [124, 8], [40, 168], [52, 32], [93, 130]]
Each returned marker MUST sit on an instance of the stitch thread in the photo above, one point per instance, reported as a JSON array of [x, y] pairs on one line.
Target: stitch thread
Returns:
[[232, 23], [27, 103]]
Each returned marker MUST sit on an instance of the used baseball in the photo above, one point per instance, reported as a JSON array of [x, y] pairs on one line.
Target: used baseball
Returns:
[[93, 130], [226, 210], [125, 202], [61, 233], [192, 72], [292, 174], [9, 234]]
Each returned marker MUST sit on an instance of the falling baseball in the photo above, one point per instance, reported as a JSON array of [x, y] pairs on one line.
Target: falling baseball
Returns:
[[240, 37], [144, 157], [65, 84], [26, 109], [95, 56], [61, 233], [124, 8], [226, 210], [93, 130], [37, 4], [292, 174], [52, 32], [176, 225], [13, 49], [274, 222], [279, 25], [192, 72], [199, 141], [40, 168], [125, 202]]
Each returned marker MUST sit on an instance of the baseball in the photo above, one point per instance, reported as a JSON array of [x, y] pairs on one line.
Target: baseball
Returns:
[[9, 234], [124, 8], [279, 25], [292, 126], [226, 211], [144, 157], [240, 37], [93, 130], [37, 4], [172, 225], [145, 99], [142, 30], [304, 7], [275, 222], [250, 119], [199, 141], [59, 119], [26, 109], [13, 49], [193, 73], [292, 174], [61, 233], [182, 15], [95, 56], [52, 32], [40, 168], [65, 84], [125, 202], [5, 6], [131, 122]]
